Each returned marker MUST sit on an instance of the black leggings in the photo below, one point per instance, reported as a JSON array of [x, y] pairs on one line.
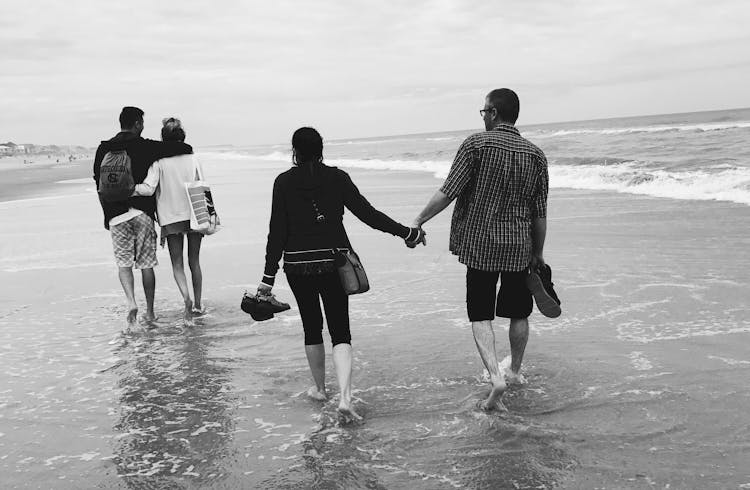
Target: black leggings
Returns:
[[308, 289]]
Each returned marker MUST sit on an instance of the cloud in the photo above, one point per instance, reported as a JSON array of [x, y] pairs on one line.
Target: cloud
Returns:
[[388, 59]]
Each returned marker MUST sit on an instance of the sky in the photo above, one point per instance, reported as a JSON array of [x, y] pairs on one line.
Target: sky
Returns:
[[249, 72]]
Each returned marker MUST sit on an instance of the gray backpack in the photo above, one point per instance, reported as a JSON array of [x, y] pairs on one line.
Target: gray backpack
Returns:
[[116, 177]]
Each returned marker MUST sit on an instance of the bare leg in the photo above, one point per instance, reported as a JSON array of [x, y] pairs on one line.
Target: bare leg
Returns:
[[316, 358], [149, 287], [194, 250], [484, 336], [175, 244], [518, 336], [127, 281], [342, 360]]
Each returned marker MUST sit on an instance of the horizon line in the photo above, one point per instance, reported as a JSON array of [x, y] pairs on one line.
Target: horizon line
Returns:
[[381, 136]]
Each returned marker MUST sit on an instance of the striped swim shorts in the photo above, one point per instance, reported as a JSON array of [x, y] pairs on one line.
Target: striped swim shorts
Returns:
[[134, 242]]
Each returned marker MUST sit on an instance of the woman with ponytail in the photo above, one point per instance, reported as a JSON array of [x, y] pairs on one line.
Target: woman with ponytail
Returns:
[[306, 226]]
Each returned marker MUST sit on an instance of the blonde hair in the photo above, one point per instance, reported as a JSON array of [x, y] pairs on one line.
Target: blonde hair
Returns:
[[172, 130]]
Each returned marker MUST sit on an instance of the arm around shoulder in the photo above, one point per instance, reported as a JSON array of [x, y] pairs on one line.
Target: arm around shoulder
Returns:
[[148, 187]]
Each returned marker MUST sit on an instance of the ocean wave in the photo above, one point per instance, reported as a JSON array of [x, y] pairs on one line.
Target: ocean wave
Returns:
[[659, 128], [275, 156], [722, 182], [438, 168], [725, 184]]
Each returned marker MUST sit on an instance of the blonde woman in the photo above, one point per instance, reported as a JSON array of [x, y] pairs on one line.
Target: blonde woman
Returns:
[[167, 178]]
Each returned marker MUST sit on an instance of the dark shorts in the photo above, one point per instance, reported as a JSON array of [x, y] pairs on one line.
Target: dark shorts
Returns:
[[513, 299], [309, 290]]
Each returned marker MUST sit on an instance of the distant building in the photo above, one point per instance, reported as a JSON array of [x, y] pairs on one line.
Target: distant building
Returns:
[[11, 148]]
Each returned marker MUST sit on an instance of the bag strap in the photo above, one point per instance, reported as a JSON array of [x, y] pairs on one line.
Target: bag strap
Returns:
[[198, 172]]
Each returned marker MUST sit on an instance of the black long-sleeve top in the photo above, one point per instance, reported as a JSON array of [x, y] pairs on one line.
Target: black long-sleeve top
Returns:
[[296, 228], [142, 152]]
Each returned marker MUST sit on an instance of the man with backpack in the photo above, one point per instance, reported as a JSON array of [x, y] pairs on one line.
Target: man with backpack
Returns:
[[120, 163]]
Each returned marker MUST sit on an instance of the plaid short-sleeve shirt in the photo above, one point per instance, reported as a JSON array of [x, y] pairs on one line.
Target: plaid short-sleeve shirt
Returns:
[[500, 182]]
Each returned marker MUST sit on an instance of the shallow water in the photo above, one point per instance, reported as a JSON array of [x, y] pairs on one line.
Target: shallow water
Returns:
[[640, 384]]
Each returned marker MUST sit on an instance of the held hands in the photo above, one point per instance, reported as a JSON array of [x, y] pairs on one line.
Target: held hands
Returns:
[[416, 236]]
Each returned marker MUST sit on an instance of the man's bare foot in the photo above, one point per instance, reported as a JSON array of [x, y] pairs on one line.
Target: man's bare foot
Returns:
[[198, 310], [316, 394], [511, 378], [514, 379], [487, 407], [132, 316], [346, 412], [149, 317], [498, 388]]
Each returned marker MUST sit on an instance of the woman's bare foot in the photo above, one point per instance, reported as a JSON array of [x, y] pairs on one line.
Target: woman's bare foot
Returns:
[[317, 394], [346, 412], [132, 316], [188, 314]]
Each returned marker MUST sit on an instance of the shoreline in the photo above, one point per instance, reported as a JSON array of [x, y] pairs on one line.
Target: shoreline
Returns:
[[40, 179], [20, 182]]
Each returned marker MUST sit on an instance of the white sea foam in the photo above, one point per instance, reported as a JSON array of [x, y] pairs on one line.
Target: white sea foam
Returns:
[[725, 184], [730, 361], [722, 182], [86, 180], [640, 362], [23, 202], [438, 168], [730, 184], [659, 128]]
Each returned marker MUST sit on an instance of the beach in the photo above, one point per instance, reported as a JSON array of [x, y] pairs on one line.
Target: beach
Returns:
[[40, 176], [641, 383]]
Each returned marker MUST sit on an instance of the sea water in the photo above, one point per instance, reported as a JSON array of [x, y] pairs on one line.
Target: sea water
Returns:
[[641, 383], [700, 155]]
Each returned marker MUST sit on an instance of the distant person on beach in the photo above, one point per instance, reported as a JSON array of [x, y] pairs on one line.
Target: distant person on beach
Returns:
[[499, 224], [131, 221], [306, 226], [167, 177]]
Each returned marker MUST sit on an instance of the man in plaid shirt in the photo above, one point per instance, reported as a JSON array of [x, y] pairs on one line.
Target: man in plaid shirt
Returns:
[[500, 183]]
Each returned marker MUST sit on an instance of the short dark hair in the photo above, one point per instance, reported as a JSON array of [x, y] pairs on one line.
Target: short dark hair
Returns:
[[506, 102], [309, 145], [129, 116], [172, 130]]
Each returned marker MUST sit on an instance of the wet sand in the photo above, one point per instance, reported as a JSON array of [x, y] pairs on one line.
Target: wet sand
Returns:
[[39, 178], [641, 382]]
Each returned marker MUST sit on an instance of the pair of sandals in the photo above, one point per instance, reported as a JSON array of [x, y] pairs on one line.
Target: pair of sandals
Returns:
[[540, 284]]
